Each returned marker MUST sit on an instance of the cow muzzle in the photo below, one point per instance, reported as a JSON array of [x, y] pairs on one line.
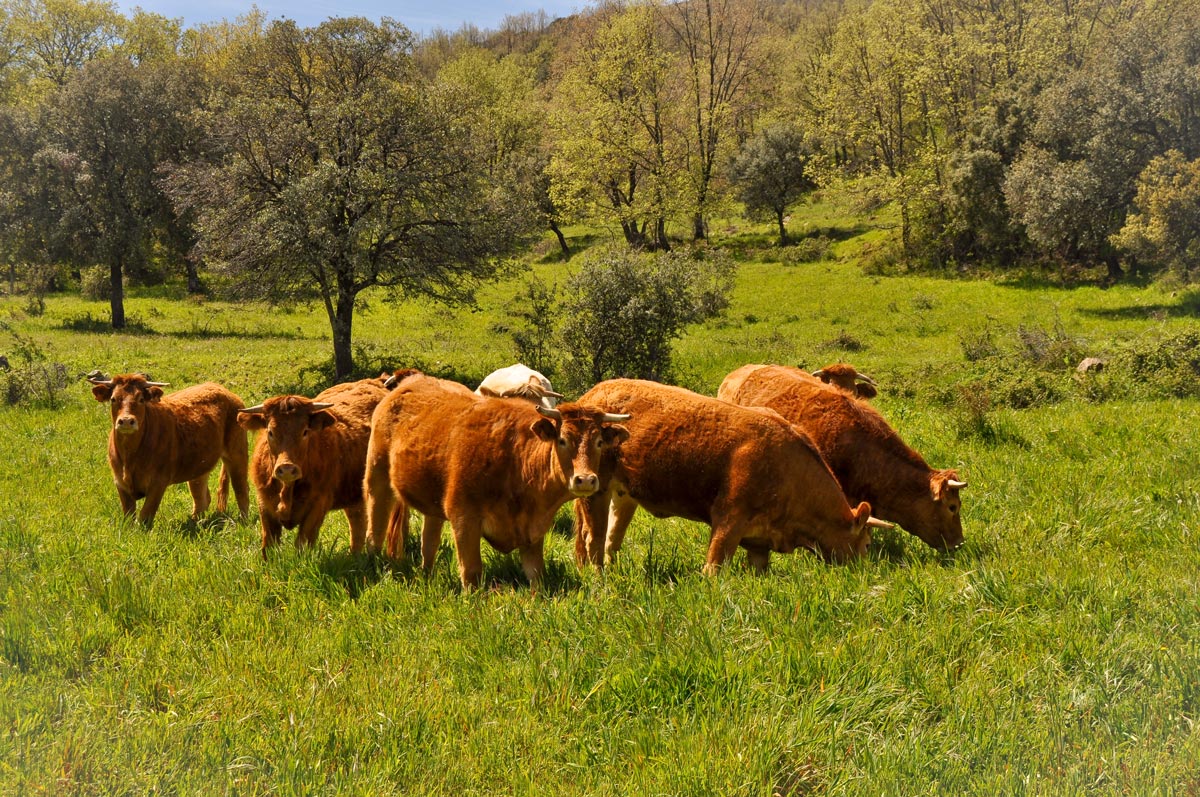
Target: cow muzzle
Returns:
[[126, 424], [287, 472], [584, 484]]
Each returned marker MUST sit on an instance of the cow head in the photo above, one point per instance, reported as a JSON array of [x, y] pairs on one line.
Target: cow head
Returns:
[[581, 435], [288, 420], [844, 377], [941, 527], [128, 395]]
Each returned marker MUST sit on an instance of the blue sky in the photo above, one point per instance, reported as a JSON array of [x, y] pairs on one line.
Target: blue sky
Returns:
[[420, 16]]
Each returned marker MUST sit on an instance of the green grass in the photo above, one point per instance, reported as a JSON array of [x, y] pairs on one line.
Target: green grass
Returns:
[[1057, 652]]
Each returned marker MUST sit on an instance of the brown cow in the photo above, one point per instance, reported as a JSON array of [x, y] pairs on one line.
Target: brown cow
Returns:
[[497, 469], [159, 440], [310, 460], [748, 474], [869, 458], [847, 379]]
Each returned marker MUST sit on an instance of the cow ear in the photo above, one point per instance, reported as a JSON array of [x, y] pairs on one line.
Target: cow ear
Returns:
[[252, 421], [488, 392], [322, 419], [614, 435], [102, 392], [155, 393], [545, 429], [865, 391]]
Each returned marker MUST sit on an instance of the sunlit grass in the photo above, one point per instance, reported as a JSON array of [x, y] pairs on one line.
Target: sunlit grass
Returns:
[[1055, 653]]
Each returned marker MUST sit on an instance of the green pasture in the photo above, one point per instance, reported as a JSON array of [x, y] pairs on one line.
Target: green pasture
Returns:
[[1057, 652]]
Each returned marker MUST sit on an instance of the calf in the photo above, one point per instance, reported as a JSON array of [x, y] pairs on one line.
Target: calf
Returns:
[[867, 456], [158, 440], [497, 469], [748, 474], [310, 459]]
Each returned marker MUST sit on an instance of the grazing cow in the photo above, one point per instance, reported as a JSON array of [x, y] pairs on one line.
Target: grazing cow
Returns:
[[868, 457], [310, 460], [159, 440], [519, 381], [844, 377], [748, 474], [497, 469]]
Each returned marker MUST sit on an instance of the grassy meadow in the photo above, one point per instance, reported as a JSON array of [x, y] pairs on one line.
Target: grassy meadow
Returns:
[[1057, 652]]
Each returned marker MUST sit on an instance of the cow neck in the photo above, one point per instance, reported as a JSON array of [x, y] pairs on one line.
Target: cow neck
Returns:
[[895, 490]]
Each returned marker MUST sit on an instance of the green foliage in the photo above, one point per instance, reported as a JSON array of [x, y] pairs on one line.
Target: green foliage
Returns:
[[622, 310], [1164, 232], [532, 318], [95, 283], [771, 173], [29, 376]]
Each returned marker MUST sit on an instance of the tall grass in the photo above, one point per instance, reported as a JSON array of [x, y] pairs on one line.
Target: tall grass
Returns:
[[1057, 652]]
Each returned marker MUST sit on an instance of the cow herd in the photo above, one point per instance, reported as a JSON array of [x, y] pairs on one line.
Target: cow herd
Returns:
[[781, 459]]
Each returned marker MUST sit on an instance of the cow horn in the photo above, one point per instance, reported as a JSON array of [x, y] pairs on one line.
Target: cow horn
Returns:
[[820, 372], [954, 484], [96, 380], [612, 417], [320, 405], [865, 378], [544, 393], [875, 523], [257, 409], [555, 414], [158, 384]]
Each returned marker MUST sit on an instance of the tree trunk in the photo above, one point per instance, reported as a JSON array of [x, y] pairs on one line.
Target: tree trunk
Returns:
[[633, 236], [194, 285], [341, 321], [562, 240], [699, 228], [783, 239], [116, 297], [660, 235]]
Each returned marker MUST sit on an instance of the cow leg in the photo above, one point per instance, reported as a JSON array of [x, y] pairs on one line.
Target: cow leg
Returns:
[[591, 528], [431, 540], [154, 497], [128, 502], [722, 546], [468, 534], [237, 468], [379, 498], [272, 530], [759, 558], [357, 517], [533, 562], [223, 488], [620, 513], [201, 497], [310, 526]]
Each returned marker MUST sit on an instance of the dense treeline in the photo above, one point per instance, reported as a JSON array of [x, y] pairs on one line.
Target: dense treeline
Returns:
[[318, 163]]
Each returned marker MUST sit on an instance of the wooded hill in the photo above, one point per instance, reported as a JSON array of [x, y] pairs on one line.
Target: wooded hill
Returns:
[[318, 163]]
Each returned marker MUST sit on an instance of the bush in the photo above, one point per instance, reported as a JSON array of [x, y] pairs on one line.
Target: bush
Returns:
[[29, 376], [95, 283], [623, 309], [807, 250]]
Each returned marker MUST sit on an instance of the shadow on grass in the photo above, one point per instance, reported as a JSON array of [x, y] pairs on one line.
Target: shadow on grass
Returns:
[[204, 333], [1188, 306], [92, 325]]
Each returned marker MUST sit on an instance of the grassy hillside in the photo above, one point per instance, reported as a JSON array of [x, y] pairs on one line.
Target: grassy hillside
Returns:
[[1057, 652]]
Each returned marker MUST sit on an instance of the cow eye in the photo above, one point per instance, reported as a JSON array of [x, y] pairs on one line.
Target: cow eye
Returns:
[[270, 434], [953, 509]]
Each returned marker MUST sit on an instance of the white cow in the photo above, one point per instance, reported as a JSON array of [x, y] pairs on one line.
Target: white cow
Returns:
[[519, 381]]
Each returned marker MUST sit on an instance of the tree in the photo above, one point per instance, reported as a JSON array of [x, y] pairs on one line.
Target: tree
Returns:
[[771, 172], [624, 308], [109, 130], [57, 37], [618, 155], [1164, 232], [716, 39], [341, 171]]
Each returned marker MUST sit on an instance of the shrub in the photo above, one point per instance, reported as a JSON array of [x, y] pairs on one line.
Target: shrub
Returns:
[[30, 376], [95, 283], [807, 250], [622, 310]]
